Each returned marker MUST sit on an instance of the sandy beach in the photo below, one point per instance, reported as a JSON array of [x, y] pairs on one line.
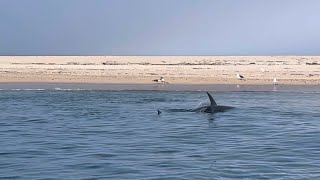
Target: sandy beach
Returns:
[[257, 70]]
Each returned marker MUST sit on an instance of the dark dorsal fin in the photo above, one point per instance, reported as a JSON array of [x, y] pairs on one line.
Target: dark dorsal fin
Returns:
[[213, 103]]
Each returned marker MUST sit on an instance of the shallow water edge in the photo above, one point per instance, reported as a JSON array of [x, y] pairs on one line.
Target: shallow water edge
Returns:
[[159, 87]]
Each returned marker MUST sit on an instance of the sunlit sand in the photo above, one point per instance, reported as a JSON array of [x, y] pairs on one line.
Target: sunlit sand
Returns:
[[175, 69]]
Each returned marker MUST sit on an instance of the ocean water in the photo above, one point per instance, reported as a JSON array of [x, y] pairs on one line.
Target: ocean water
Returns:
[[105, 134]]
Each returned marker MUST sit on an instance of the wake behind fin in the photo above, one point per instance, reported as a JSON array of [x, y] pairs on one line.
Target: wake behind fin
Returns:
[[212, 102]]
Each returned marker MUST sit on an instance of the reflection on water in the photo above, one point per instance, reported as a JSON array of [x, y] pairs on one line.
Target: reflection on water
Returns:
[[119, 135]]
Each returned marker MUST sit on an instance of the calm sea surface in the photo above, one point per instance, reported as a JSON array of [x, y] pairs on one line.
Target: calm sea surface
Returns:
[[103, 134]]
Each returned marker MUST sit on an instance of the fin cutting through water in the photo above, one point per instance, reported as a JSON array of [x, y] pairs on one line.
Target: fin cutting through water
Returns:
[[213, 103]]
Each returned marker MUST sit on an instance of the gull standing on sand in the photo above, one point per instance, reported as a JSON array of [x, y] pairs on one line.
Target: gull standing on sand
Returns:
[[239, 76], [161, 80], [59, 69], [275, 81]]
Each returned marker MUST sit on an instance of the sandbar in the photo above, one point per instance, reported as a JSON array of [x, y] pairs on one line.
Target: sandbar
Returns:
[[192, 70]]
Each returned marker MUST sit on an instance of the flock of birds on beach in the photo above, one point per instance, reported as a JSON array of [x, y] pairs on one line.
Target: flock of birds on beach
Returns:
[[239, 76], [275, 80]]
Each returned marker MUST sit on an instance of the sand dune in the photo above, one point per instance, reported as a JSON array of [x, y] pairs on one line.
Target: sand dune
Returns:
[[175, 69]]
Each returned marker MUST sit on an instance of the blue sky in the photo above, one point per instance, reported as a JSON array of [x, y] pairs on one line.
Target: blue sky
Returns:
[[159, 27]]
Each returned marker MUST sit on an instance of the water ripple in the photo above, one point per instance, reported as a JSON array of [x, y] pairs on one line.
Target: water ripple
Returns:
[[84, 134]]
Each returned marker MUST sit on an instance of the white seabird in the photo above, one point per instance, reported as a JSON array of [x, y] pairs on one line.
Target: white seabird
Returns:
[[275, 81], [161, 80], [239, 76]]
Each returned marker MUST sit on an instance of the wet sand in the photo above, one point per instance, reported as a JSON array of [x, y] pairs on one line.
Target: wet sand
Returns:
[[196, 70]]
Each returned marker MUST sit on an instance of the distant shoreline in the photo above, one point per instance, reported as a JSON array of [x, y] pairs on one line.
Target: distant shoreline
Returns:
[[193, 70]]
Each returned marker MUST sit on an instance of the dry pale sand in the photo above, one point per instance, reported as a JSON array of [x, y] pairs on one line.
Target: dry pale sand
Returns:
[[175, 69]]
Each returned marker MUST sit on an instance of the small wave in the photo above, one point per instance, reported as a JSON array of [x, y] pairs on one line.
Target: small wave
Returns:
[[310, 92], [33, 89], [22, 89], [76, 89]]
